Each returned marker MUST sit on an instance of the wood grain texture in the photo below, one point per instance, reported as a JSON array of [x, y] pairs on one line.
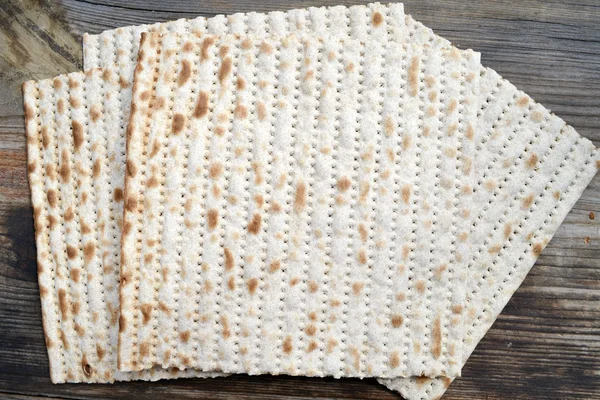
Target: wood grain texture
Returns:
[[545, 345]]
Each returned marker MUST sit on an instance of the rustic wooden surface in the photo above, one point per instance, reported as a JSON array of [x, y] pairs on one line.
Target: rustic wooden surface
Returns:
[[546, 344]]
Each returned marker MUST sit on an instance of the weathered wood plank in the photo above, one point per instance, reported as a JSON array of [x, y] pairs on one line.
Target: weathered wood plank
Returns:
[[545, 345]]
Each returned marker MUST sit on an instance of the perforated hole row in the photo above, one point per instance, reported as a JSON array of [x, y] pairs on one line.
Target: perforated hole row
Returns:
[[352, 354], [396, 245], [170, 255], [84, 200], [369, 189], [188, 217], [490, 304], [113, 173], [329, 275], [100, 166], [427, 317], [219, 151], [204, 307], [46, 264], [255, 352], [141, 251], [369, 216], [490, 171], [235, 314], [313, 341], [64, 265]]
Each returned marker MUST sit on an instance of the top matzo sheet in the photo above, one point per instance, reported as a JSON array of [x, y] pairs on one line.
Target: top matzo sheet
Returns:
[[291, 206]]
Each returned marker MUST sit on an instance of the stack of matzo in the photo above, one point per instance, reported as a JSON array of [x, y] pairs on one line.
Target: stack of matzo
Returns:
[[322, 192]]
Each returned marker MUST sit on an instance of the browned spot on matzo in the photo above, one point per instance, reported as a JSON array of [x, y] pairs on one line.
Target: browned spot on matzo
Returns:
[[225, 69], [252, 285], [184, 74], [188, 46], [357, 288], [229, 263], [300, 197], [131, 168], [144, 349], [201, 108], [52, 197], [231, 283], [118, 195], [362, 256], [532, 161], [395, 359], [96, 168], [261, 110], [406, 193], [62, 302], [146, 310], [254, 225], [74, 101], [77, 134], [60, 106], [226, 330], [523, 101], [528, 201], [287, 345], [71, 252], [377, 18], [397, 320], [537, 249], [89, 249], [122, 323], [131, 203], [65, 169], [413, 76], [215, 170], [421, 286], [363, 232], [184, 336], [343, 184], [274, 266], [69, 214], [240, 111], [178, 123], [100, 352], [206, 43], [436, 338], [266, 48], [212, 218], [507, 230]]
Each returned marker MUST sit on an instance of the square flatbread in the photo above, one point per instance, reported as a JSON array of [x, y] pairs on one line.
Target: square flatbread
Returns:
[[291, 206], [530, 169], [75, 128]]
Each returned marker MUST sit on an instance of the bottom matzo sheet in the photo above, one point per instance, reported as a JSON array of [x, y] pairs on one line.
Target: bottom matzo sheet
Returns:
[[75, 126], [506, 238], [530, 170]]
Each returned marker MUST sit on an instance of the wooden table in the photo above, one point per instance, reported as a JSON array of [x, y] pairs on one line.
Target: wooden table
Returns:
[[546, 344]]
